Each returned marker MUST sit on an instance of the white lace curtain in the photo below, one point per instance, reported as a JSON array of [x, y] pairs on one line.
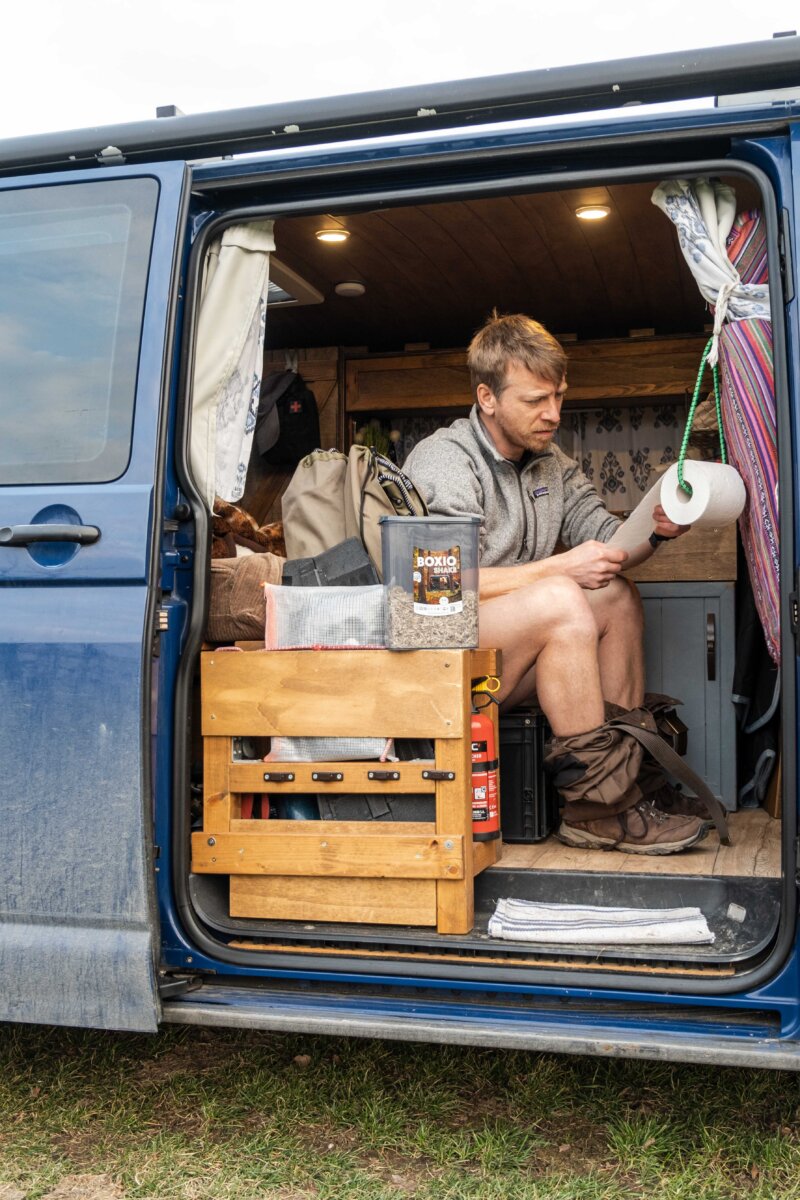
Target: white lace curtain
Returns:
[[622, 450], [229, 356]]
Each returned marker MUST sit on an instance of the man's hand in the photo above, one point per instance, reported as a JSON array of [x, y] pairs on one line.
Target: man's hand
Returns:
[[664, 527], [592, 564]]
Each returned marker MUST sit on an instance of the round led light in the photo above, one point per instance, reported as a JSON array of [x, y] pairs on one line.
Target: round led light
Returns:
[[332, 235], [592, 212], [350, 287]]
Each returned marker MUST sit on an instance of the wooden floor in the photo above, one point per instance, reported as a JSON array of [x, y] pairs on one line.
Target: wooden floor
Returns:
[[756, 851]]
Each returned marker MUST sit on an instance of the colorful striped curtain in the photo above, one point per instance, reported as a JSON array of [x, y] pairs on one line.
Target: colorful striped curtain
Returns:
[[747, 380], [728, 258]]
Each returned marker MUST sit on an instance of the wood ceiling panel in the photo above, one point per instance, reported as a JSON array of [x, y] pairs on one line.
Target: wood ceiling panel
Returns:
[[669, 291], [433, 272]]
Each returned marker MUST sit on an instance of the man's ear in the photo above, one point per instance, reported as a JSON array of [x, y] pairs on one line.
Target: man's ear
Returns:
[[485, 398]]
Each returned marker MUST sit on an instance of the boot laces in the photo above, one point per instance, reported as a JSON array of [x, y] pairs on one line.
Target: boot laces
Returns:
[[649, 812]]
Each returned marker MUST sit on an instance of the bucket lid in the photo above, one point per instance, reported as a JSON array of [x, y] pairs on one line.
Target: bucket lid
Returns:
[[431, 519]]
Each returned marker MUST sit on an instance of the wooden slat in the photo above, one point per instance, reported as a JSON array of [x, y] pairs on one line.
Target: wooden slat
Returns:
[[455, 900], [646, 368], [249, 777], [425, 829], [218, 805], [367, 901], [598, 371], [485, 854], [326, 853], [335, 693], [484, 661], [410, 382]]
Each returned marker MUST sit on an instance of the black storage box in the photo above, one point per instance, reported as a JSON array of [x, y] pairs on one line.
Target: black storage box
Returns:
[[528, 800]]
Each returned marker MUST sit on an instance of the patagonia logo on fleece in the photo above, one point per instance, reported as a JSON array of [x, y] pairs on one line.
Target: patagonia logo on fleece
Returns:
[[542, 491]]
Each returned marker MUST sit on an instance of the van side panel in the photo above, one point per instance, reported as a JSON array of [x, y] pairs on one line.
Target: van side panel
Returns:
[[84, 355]]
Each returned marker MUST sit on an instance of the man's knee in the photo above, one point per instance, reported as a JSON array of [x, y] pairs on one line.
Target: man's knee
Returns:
[[559, 604]]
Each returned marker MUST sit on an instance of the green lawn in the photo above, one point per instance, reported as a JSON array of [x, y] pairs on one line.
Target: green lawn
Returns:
[[199, 1114]]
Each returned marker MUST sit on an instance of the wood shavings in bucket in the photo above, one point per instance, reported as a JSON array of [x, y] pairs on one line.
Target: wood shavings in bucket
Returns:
[[407, 630]]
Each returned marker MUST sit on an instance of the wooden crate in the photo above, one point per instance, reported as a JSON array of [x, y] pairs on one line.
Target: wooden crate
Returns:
[[406, 873]]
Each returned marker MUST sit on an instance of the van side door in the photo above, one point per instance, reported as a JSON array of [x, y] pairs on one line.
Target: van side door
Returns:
[[88, 287]]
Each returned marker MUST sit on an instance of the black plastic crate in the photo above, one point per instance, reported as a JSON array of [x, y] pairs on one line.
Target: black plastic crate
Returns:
[[528, 800]]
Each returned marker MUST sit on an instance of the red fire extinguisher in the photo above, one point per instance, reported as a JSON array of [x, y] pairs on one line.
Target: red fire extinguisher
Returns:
[[485, 811]]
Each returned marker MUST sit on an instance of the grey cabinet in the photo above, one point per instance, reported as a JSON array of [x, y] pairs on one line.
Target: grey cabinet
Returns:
[[689, 654]]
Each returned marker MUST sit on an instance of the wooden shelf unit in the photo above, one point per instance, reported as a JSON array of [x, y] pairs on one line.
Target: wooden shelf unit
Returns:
[[399, 873], [614, 371]]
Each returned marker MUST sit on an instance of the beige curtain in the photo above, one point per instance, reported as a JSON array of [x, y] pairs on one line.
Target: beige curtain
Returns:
[[228, 359]]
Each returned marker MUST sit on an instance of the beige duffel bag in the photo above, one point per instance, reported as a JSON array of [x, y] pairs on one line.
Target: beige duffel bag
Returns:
[[333, 496]]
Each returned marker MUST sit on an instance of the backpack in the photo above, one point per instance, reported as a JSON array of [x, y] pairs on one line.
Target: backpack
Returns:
[[334, 496], [287, 423]]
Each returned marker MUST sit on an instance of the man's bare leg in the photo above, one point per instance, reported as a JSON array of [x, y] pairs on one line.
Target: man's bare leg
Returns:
[[551, 624], [618, 612], [554, 629]]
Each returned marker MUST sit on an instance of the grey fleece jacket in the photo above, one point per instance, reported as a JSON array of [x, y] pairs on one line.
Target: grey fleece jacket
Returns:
[[523, 513]]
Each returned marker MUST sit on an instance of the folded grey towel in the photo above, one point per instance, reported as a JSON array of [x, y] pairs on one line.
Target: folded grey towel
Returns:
[[588, 924]]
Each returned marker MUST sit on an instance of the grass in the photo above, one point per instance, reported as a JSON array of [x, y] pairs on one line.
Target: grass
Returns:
[[194, 1114]]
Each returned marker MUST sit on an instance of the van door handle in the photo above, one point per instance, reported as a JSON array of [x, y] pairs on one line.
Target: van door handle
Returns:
[[26, 535]]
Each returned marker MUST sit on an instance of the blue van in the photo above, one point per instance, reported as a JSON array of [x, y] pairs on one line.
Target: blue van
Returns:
[[447, 202]]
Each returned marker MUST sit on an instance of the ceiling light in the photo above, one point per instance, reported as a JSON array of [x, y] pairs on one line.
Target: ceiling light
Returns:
[[350, 287], [592, 212], [332, 235]]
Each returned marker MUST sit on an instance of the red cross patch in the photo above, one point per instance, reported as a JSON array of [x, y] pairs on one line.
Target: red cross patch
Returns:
[[295, 406]]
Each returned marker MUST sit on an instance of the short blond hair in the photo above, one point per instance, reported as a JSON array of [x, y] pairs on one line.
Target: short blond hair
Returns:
[[514, 338]]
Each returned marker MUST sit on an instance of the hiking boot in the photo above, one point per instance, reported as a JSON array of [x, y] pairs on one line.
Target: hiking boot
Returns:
[[670, 799], [643, 829]]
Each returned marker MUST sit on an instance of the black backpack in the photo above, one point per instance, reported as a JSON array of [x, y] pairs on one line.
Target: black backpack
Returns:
[[287, 424]]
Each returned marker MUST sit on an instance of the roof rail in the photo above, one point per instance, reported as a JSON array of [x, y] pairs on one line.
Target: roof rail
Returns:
[[680, 75]]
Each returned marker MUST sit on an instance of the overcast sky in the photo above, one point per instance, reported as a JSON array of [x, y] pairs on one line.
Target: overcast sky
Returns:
[[77, 63]]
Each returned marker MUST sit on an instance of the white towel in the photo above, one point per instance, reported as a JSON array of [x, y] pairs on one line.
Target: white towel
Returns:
[[589, 924]]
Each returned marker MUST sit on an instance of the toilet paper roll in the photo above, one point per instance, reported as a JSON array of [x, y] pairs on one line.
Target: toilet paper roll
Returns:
[[718, 497], [718, 494]]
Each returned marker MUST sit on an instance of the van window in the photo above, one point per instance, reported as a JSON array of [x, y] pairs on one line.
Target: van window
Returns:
[[73, 272]]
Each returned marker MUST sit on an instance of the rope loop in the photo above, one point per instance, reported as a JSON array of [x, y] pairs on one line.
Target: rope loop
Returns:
[[683, 483]]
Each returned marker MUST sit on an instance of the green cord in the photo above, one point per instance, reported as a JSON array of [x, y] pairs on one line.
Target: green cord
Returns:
[[682, 483]]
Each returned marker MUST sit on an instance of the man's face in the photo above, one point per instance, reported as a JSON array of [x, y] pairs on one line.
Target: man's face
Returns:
[[525, 414]]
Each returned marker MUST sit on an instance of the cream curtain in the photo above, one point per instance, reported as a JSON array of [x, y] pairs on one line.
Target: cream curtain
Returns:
[[228, 360]]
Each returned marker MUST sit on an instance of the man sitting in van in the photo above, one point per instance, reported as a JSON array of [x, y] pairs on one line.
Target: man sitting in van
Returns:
[[552, 596]]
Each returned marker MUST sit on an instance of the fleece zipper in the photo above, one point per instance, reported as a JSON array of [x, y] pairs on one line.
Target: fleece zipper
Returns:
[[523, 550]]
